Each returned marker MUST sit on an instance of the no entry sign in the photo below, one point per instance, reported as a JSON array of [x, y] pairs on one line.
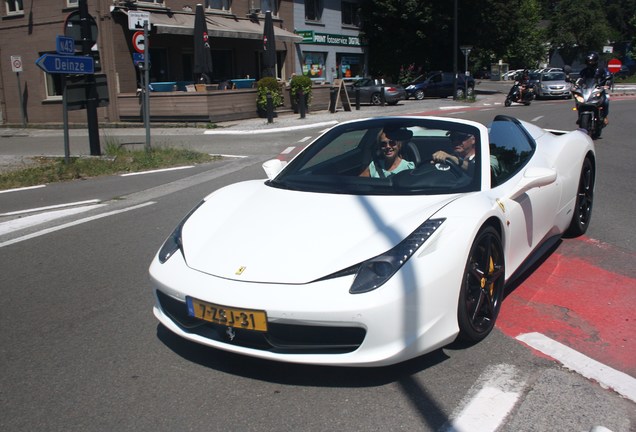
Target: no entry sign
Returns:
[[614, 65]]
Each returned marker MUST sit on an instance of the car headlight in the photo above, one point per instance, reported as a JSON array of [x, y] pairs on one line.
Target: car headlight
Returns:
[[173, 242], [374, 272], [411, 87]]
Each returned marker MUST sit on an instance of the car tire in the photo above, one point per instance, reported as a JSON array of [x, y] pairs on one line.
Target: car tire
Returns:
[[419, 94], [582, 214], [459, 93], [482, 287], [471, 91], [376, 99]]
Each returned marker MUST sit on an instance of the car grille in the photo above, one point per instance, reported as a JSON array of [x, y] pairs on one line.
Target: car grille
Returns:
[[280, 338]]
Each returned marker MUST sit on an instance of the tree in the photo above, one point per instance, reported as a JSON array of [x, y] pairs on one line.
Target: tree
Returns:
[[579, 26], [397, 32]]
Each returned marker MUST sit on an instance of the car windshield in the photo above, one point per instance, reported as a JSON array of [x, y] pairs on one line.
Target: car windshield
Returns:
[[350, 159], [554, 76]]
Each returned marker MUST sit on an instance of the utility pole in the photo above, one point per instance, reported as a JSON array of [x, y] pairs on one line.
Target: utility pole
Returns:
[[91, 87], [455, 50]]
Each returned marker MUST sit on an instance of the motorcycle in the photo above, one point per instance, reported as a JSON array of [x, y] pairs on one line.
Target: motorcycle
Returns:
[[514, 95], [589, 97]]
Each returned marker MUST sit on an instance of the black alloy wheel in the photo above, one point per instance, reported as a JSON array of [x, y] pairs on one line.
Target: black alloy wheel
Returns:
[[376, 99], [482, 287], [584, 201], [419, 94]]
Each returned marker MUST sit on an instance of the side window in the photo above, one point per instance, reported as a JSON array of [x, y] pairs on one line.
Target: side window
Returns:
[[510, 149]]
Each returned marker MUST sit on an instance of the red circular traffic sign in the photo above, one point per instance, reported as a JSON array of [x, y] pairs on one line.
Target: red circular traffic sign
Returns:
[[614, 65], [139, 42]]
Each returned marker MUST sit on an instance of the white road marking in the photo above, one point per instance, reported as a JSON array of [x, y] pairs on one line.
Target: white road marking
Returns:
[[22, 189], [537, 118], [228, 155], [453, 107], [71, 224], [305, 139], [497, 391], [222, 131], [606, 376], [57, 206], [29, 221], [288, 150], [156, 171]]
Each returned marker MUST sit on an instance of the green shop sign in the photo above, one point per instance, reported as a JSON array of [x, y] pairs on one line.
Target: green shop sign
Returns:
[[311, 37]]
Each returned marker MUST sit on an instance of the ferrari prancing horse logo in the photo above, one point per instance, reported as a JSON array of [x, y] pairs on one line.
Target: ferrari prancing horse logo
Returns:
[[240, 270]]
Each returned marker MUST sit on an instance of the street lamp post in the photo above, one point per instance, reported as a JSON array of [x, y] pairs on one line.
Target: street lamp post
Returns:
[[466, 50]]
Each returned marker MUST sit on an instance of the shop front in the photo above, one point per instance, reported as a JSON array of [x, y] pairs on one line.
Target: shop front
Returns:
[[325, 57]]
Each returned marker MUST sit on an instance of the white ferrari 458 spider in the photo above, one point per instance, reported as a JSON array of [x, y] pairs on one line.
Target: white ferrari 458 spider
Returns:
[[384, 239]]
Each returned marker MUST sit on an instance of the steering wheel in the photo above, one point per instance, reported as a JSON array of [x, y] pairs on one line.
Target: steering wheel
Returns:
[[455, 168]]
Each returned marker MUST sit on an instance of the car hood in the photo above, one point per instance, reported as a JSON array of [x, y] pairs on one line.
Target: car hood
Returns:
[[256, 233]]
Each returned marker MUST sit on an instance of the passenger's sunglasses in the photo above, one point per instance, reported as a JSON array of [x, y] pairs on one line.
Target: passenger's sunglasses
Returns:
[[391, 143]]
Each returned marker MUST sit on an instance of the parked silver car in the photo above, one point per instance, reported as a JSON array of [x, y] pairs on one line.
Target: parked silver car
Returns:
[[371, 90], [553, 85]]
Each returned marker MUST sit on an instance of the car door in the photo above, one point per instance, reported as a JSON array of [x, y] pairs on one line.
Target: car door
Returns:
[[434, 86], [530, 214]]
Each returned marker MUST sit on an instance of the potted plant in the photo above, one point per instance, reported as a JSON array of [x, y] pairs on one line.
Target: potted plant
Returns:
[[267, 85], [297, 84]]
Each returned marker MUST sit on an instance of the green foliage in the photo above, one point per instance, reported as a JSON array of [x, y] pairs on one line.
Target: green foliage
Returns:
[[41, 170], [579, 26], [407, 74], [301, 82], [522, 33], [268, 85]]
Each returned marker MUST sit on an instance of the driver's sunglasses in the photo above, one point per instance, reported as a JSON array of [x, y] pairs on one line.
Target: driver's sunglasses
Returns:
[[391, 143]]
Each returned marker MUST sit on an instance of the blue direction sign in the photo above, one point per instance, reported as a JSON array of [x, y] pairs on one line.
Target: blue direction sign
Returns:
[[63, 64], [65, 45]]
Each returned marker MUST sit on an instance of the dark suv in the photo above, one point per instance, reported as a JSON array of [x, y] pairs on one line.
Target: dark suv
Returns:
[[439, 84]]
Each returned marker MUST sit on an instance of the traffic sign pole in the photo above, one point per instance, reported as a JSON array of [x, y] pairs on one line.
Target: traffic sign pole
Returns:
[[91, 99], [147, 86], [16, 66]]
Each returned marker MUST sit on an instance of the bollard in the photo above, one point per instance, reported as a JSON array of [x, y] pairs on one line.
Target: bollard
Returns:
[[270, 108], [382, 99], [332, 100], [301, 103], [357, 99]]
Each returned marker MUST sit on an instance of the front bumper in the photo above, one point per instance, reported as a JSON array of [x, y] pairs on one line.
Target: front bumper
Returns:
[[316, 323]]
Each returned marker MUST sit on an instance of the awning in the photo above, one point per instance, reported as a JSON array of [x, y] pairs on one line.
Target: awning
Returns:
[[218, 26]]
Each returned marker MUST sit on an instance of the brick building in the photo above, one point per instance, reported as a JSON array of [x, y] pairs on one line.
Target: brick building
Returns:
[[327, 31]]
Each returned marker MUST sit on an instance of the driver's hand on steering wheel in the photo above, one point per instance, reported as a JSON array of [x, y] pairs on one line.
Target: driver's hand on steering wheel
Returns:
[[442, 156]]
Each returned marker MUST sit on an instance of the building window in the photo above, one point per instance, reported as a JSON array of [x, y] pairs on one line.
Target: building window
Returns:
[[313, 10], [72, 3], [350, 15], [150, 1], [314, 65], [223, 5], [14, 7], [269, 5]]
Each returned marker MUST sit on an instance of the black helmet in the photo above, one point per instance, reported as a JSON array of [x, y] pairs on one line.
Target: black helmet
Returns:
[[591, 59]]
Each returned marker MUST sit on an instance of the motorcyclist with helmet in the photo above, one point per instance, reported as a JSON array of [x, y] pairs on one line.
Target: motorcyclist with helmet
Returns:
[[602, 77], [520, 91]]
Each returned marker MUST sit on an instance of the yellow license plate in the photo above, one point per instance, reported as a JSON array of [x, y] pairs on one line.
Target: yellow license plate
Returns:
[[247, 319]]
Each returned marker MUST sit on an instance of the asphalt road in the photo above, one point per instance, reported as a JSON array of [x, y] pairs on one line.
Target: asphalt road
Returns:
[[80, 349]]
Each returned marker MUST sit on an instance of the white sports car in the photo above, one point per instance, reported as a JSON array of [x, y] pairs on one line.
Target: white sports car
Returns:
[[320, 265]]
